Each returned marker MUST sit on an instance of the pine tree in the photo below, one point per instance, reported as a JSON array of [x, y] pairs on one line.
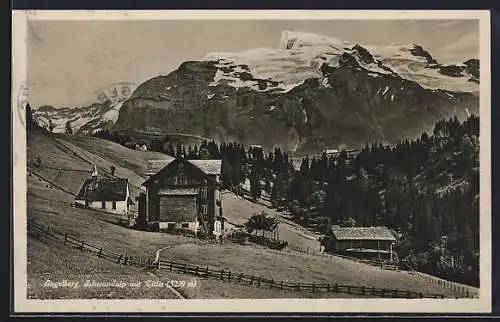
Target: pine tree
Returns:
[[255, 186], [68, 129]]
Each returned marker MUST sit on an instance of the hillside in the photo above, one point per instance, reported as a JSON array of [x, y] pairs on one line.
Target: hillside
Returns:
[[48, 205]]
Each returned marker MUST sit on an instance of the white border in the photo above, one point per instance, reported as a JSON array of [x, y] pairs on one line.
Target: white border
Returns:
[[21, 304]]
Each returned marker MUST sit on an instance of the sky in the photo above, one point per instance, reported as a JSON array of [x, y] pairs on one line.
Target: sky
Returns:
[[68, 61]]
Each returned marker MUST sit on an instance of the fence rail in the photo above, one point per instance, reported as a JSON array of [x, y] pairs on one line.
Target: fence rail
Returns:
[[39, 231], [237, 277], [146, 262]]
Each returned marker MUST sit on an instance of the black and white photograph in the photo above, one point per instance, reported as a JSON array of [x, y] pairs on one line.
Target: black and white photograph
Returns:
[[277, 157]]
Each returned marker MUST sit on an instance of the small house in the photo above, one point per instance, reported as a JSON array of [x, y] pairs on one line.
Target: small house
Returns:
[[362, 242], [182, 194], [329, 152], [107, 194]]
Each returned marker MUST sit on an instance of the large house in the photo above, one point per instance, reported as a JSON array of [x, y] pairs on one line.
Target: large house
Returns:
[[182, 194], [364, 242], [107, 194]]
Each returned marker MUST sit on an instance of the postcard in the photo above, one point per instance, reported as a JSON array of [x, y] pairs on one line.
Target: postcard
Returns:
[[251, 161]]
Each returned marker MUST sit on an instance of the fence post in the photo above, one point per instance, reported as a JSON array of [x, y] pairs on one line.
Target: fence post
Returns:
[[258, 280], [171, 265], [222, 274], [313, 287], [420, 295], [373, 290], [336, 287], [349, 289], [395, 293], [271, 284], [126, 259], [65, 239], [363, 290], [159, 263], [442, 296], [81, 247], [383, 292], [100, 252], [47, 231], [298, 286], [240, 277], [467, 293], [229, 276], [281, 285], [196, 271], [184, 269], [328, 287], [408, 294], [119, 259]]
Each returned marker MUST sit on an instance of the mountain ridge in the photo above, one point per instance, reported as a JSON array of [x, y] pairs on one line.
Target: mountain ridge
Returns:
[[310, 91]]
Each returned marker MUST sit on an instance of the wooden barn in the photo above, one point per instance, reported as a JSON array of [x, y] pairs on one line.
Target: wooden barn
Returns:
[[182, 194], [106, 194], [362, 242]]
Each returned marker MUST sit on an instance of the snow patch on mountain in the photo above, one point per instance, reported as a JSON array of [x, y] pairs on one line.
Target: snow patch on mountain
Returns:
[[300, 55]]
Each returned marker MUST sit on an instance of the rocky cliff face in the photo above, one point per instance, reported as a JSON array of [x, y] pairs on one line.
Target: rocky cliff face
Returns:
[[310, 93]]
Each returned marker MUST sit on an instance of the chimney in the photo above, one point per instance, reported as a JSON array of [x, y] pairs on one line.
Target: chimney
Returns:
[[94, 172]]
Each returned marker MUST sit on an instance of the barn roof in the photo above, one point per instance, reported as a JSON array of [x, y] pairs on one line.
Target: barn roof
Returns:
[[103, 189], [362, 233], [210, 167]]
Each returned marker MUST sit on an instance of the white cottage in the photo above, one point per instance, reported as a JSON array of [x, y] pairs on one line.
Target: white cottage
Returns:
[[106, 194]]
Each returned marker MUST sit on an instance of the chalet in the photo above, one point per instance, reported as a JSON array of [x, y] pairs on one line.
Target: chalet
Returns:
[[182, 194], [364, 242], [107, 194]]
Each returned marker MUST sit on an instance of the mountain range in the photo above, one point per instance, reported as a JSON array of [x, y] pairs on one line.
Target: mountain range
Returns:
[[308, 93]]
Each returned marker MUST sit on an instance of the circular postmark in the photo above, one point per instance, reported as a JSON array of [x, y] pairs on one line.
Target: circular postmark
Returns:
[[115, 93], [22, 101]]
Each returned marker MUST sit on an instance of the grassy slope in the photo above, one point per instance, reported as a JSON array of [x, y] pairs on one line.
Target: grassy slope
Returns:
[[50, 206], [51, 261]]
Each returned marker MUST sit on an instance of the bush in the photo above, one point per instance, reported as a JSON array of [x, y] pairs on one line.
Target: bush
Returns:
[[240, 237], [267, 242]]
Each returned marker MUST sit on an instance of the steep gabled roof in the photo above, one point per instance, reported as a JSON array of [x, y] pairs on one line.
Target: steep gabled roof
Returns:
[[207, 167], [103, 189], [156, 165], [210, 167], [362, 233]]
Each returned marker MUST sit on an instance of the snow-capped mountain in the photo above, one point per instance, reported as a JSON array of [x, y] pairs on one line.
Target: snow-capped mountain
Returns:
[[299, 56], [85, 119], [309, 92]]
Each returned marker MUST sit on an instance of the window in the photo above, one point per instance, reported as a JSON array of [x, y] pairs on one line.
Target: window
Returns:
[[113, 205], [204, 209], [181, 178], [203, 193], [103, 205], [185, 225]]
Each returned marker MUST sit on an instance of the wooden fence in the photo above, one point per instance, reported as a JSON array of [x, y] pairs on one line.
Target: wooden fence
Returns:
[[147, 262], [229, 276], [40, 232], [314, 252]]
